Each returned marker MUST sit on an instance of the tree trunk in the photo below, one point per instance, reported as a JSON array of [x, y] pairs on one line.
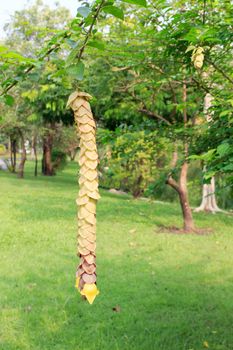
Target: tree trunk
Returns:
[[137, 191], [13, 151], [34, 148], [47, 167], [209, 202], [23, 157], [184, 201], [181, 186], [181, 189], [73, 154]]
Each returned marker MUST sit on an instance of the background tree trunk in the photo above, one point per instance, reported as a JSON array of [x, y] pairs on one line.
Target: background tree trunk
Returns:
[[23, 157], [34, 148], [47, 167], [209, 202], [73, 154], [13, 150]]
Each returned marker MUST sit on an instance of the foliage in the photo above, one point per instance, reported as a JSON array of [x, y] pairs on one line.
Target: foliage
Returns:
[[133, 160], [66, 140], [218, 143], [59, 159], [2, 149], [135, 68]]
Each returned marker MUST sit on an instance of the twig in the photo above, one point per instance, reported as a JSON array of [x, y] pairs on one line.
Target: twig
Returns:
[[204, 11], [220, 70], [89, 32], [154, 115]]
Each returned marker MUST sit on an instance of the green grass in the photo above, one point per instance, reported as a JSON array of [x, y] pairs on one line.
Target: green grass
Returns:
[[175, 292]]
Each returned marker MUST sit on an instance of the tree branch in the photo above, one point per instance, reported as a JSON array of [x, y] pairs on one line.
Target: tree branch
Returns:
[[170, 181], [220, 70], [98, 9], [55, 47], [153, 115]]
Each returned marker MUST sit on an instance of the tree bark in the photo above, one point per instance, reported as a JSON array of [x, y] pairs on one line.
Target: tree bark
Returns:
[[208, 203], [23, 157], [47, 167], [13, 151], [184, 200], [181, 189]]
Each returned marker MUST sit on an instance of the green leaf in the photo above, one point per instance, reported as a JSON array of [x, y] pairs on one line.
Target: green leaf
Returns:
[[76, 71], [97, 44], [208, 156], [190, 48], [223, 149], [224, 113], [194, 157], [115, 11], [141, 3], [228, 167], [9, 100], [32, 117], [83, 11], [207, 176], [72, 55]]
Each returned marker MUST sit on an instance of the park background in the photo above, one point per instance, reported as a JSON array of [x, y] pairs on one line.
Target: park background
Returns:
[[160, 77]]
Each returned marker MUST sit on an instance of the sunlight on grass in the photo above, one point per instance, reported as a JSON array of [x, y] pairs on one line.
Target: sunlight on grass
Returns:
[[173, 292]]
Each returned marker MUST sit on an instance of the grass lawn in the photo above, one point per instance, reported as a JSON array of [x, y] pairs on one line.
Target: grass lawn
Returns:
[[175, 292]]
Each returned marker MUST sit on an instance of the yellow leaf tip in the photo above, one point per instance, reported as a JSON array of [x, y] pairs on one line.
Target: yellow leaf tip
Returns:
[[77, 282], [90, 291]]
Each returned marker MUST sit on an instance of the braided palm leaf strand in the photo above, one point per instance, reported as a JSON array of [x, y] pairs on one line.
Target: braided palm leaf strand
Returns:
[[88, 195]]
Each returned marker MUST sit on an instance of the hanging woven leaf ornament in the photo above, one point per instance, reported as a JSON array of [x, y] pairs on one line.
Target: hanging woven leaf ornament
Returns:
[[88, 195], [198, 57]]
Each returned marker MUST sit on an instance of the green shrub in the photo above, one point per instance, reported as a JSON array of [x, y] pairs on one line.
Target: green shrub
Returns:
[[2, 149], [133, 161]]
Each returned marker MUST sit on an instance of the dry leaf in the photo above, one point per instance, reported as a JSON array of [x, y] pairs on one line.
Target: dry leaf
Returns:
[[92, 155], [90, 269], [89, 278], [91, 206], [91, 164], [83, 251], [91, 174], [94, 195], [91, 185], [85, 128], [82, 200], [116, 308], [90, 145], [87, 137], [90, 258]]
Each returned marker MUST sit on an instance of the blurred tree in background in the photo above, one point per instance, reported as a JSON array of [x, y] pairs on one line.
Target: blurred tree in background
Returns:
[[148, 69]]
